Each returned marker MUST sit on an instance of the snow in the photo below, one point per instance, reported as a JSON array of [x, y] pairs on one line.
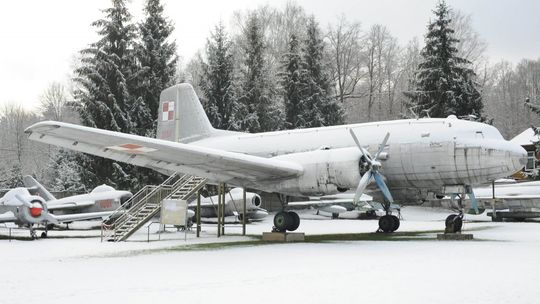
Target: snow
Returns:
[[500, 267]]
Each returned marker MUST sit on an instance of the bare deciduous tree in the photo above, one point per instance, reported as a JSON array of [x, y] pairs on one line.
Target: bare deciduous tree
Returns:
[[346, 57]]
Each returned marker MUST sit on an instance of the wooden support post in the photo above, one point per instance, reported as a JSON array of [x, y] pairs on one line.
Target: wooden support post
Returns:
[[199, 213], [244, 213]]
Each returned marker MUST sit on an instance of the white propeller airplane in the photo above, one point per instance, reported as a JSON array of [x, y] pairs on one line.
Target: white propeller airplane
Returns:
[[415, 158]]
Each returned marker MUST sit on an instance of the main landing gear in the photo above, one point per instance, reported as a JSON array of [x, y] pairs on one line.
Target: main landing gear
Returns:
[[388, 222], [454, 223], [286, 221]]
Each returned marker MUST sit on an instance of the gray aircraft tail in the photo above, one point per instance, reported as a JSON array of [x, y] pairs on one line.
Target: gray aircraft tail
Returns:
[[37, 188], [181, 117]]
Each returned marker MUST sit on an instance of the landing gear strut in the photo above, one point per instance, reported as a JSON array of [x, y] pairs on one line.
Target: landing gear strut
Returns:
[[286, 221], [33, 233]]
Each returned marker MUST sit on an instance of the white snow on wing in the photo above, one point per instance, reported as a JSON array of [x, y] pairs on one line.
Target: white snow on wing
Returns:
[[7, 217], [160, 154]]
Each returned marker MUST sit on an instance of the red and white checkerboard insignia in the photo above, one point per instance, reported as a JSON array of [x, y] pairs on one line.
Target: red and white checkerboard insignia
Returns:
[[167, 112], [132, 148]]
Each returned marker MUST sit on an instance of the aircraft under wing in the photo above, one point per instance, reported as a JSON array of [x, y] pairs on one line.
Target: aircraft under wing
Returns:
[[162, 155]]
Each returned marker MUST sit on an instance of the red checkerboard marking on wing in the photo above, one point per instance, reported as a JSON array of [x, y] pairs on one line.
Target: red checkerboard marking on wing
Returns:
[[131, 148], [167, 111]]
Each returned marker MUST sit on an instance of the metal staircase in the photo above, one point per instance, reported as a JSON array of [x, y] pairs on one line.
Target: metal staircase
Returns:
[[146, 203]]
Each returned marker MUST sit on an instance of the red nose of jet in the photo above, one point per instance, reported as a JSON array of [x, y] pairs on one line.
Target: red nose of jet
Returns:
[[36, 210]]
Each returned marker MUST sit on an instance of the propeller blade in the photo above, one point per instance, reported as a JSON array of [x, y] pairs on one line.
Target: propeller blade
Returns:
[[383, 144], [364, 182], [382, 185], [366, 156]]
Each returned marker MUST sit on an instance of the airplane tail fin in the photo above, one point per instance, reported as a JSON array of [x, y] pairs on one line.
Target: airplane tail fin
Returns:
[[35, 186], [181, 117]]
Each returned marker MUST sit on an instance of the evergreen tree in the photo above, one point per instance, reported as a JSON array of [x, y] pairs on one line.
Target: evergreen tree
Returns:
[[11, 177], [322, 109], [294, 88], [444, 83], [258, 106], [217, 81], [66, 162], [102, 98], [157, 64]]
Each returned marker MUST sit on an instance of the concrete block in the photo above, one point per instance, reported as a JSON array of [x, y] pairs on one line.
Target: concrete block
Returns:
[[283, 236], [454, 236]]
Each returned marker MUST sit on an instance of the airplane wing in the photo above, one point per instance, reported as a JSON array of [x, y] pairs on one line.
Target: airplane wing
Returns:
[[7, 217], [161, 154], [69, 205], [82, 216]]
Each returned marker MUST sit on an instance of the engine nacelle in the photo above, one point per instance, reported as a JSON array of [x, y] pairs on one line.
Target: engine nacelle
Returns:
[[35, 214], [326, 171]]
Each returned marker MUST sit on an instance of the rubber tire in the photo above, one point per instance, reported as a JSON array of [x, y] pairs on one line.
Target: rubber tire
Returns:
[[453, 223], [44, 235], [295, 221], [396, 223], [386, 223], [281, 221]]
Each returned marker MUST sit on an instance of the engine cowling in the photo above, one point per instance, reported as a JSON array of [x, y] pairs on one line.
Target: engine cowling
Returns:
[[326, 171], [36, 213]]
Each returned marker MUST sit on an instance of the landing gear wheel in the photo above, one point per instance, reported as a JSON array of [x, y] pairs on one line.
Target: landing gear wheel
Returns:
[[454, 223], [281, 221], [295, 221], [44, 235], [396, 223], [386, 224]]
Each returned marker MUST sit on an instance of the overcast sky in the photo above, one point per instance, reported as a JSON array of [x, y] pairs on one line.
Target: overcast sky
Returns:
[[40, 38]]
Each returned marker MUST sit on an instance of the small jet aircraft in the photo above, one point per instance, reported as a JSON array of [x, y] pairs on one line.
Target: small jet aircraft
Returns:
[[25, 210], [233, 205], [100, 199], [409, 160], [517, 200]]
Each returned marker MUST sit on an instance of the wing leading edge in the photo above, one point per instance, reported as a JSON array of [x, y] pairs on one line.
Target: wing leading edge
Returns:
[[161, 155]]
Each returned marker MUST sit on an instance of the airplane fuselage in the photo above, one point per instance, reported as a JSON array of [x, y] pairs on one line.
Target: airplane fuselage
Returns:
[[421, 156]]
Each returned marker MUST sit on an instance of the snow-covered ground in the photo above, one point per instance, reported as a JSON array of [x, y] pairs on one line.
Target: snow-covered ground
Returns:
[[500, 266]]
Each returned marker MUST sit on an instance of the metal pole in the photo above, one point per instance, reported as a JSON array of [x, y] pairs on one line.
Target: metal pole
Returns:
[[219, 211], [494, 215], [199, 213], [223, 210], [244, 213]]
